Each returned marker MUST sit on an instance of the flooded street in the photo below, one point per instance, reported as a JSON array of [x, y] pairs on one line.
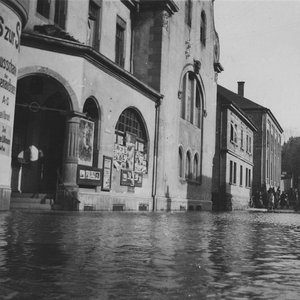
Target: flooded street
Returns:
[[102, 255]]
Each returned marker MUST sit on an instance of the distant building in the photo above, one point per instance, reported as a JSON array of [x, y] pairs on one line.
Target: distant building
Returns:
[[267, 140], [233, 164], [115, 105]]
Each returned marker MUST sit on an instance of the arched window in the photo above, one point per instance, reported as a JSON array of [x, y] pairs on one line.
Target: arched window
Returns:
[[196, 167], [188, 172], [131, 134], [180, 162], [91, 110], [192, 100], [203, 29]]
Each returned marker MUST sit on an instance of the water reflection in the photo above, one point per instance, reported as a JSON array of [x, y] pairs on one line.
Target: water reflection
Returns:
[[236, 255]]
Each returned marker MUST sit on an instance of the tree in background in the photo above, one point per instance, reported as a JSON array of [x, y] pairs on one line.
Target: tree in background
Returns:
[[291, 158]]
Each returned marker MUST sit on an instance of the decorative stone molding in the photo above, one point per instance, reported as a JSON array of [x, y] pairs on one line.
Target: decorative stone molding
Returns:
[[187, 49], [180, 95], [197, 66], [165, 20]]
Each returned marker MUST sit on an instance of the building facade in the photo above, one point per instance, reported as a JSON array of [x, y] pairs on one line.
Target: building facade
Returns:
[[181, 61], [112, 98], [267, 142], [233, 163]]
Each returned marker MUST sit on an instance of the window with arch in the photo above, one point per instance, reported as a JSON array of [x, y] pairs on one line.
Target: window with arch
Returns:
[[196, 167], [90, 109], [188, 169], [180, 162], [130, 133], [192, 100], [203, 28]]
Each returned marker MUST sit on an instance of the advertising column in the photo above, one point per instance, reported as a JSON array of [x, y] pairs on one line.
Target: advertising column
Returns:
[[12, 14]]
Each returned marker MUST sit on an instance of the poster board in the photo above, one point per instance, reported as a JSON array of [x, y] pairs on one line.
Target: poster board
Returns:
[[106, 173], [86, 142], [88, 176]]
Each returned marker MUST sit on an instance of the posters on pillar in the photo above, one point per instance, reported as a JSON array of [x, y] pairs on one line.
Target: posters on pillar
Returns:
[[10, 32], [86, 142]]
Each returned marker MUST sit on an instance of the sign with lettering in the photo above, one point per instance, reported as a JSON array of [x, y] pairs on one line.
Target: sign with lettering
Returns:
[[106, 176], [10, 33]]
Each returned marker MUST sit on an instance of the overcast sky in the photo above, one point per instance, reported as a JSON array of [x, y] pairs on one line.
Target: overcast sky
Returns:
[[260, 44]]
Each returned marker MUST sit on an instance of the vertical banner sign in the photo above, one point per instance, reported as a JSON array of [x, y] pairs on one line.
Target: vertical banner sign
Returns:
[[106, 176], [10, 33], [86, 142]]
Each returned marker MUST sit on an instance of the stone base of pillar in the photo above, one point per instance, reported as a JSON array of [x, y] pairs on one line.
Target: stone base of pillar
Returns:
[[5, 194], [66, 198]]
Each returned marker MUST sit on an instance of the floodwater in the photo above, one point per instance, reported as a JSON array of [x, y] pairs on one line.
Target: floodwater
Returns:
[[119, 255]]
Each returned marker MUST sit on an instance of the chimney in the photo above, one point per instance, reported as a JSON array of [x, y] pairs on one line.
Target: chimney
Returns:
[[241, 88]]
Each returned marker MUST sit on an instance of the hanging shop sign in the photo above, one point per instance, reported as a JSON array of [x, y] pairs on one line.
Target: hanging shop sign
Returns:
[[107, 170], [88, 176], [86, 142], [10, 32]]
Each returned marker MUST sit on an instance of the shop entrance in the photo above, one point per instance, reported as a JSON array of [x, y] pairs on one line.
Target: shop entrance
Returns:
[[39, 130]]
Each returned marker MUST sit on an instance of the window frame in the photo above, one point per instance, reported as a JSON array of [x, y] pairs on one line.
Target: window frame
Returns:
[[120, 39]]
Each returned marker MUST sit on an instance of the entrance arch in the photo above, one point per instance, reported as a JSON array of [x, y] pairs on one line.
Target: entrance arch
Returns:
[[42, 105]]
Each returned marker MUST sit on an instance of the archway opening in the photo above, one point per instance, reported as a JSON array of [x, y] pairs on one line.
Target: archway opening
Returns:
[[42, 104]]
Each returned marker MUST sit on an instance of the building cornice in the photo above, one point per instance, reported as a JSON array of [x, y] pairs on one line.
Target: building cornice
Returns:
[[266, 111], [228, 151], [168, 5], [241, 115], [58, 45], [20, 7]]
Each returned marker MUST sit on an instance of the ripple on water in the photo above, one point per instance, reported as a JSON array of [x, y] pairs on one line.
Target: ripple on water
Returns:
[[235, 255]]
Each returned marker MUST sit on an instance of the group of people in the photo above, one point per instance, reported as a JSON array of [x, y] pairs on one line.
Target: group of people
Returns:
[[272, 199]]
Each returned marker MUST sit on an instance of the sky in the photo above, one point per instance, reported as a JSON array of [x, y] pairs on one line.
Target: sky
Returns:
[[260, 44]]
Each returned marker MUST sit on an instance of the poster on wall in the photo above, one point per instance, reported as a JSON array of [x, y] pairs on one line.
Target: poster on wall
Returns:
[[130, 144], [138, 179], [86, 142], [120, 156], [127, 178], [88, 176], [106, 176], [140, 162]]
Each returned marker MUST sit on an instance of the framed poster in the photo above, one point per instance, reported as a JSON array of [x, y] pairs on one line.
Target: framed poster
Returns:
[[88, 176], [106, 173], [127, 178], [86, 142]]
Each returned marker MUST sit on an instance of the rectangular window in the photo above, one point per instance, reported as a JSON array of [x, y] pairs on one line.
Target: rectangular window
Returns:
[[241, 175], [188, 12], [60, 13], [43, 8], [231, 172], [93, 23], [120, 41], [234, 173], [55, 10], [242, 138], [249, 178]]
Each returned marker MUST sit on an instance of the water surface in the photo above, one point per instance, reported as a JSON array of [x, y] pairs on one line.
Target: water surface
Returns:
[[94, 255]]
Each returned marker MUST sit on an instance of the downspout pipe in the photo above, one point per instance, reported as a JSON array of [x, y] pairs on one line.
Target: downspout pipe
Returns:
[[155, 153]]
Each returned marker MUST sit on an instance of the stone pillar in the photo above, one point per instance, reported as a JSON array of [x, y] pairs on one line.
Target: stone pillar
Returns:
[[67, 193], [13, 17]]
